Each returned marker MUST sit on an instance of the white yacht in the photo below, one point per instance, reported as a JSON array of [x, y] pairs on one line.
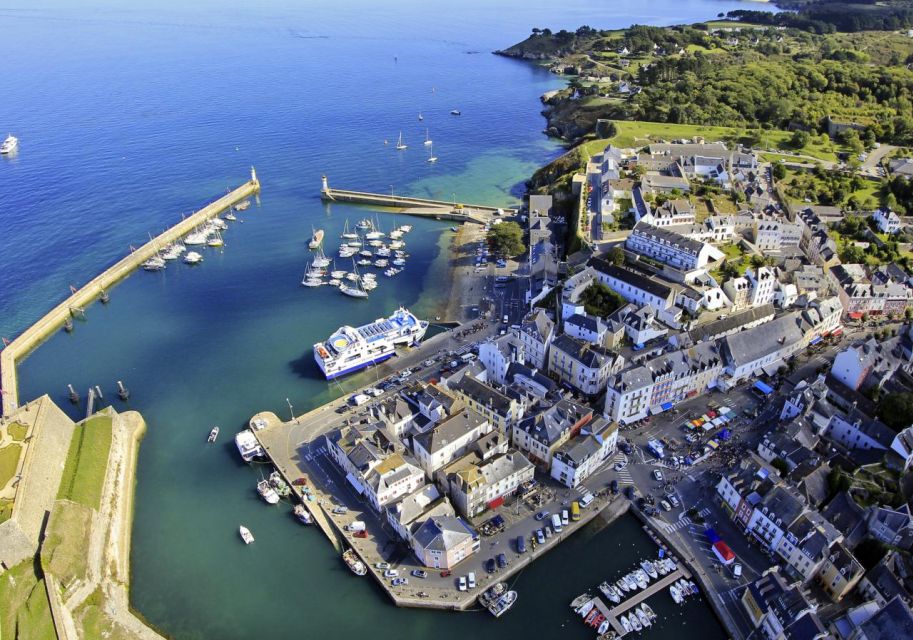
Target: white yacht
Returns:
[[248, 446], [246, 535], [350, 349], [266, 492], [10, 144], [193, 258], [155, 263]]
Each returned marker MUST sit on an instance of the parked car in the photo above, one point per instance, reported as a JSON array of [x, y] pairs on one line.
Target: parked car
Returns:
[[521, 544], [472, 580], [418, 573], [540, 536], [542, 515], [391, 573], [502, 561], [489, 565], [673, 500], [564, 518], [445, 573], [614, 486], [657, 475], [399, 581], [382, 565], [461, 583], [548, 531]]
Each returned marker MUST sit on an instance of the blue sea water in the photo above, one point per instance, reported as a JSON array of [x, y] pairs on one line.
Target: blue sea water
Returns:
[[129, 116]]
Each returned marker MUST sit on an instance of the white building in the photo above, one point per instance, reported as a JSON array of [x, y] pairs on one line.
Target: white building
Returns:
[[887, 221], [496, 355], [480, 485], [449, 440], [536, 333], [763, 286], [671, 248], [576, 459]]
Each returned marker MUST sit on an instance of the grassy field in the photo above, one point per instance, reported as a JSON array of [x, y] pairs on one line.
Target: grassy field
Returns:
[[732, 251], [638, 133], [63, 553], [87, 461], [24, 610], [9, 460], [17, 431]]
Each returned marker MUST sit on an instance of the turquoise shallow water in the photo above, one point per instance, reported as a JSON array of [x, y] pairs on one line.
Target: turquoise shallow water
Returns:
[[128, 117]]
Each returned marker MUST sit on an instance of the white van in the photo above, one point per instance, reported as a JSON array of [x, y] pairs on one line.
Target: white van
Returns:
[[737, 570], [556, 522], [586, 499], [564, 519], [468, 357]]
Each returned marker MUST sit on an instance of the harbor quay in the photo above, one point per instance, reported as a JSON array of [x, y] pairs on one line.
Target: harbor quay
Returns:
[[297, 451], [83, 296]]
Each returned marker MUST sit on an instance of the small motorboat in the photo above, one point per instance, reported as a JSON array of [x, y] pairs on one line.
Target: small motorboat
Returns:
[[580, 600], [603, 627], [213, 434], [231, 217], [649, 569], [694, 589], [632, 618], [646, 609], [622, 584], [642, 617], [456, 112], [193, 258], [241, 206], [641, 578], [246, 535], [155, 263], [10, 144], [355, 565], [586, 608], [676, 594], [625, 623], [302, 514]]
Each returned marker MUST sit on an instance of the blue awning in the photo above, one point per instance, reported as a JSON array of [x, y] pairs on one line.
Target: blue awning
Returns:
[[815, 340], [763, 388], [666, 406]]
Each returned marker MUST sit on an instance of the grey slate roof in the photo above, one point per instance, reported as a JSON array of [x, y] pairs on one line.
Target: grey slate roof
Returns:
[[442, 533], [717, 328], [632, 278], [449, 430], [894, 621], [755, 343]]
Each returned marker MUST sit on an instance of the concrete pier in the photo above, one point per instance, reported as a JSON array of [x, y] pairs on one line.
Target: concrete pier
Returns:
[[88, 293], [424, 207]]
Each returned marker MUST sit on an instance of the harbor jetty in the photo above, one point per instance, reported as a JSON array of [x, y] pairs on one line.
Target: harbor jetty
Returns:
[[423, 207], [97, 289]]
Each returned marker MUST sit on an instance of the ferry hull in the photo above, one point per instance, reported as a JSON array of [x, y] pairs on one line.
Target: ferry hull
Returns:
[[358, 367]]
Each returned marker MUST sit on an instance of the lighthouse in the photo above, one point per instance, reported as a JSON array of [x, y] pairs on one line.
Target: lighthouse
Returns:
[[324, 185]]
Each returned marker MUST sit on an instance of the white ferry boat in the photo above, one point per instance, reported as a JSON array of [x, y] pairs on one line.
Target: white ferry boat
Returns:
[[351, 349], [248, 446]]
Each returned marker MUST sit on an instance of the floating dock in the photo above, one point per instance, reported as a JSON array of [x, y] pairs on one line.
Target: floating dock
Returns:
[[424, 207], [95, 288]]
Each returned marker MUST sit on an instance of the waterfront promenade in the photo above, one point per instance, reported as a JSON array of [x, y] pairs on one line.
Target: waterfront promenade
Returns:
[[92, 290]]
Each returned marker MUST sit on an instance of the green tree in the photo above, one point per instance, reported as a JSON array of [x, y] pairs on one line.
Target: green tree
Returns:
[[617, 255], [800, 139], [599, 300], [506, 239], [896, 410], [779, 171]]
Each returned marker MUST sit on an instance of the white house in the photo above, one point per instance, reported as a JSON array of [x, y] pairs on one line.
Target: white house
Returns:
[[763, 285], [449, 440], [671, 248], [887, 221], [536, 333], [496, 355], [576, 459]]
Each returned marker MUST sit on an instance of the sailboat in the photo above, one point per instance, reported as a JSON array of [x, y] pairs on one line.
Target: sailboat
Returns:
[[420, 116], [348, 235], [427, 139], [431, 157], [354, 290], [399, 143]]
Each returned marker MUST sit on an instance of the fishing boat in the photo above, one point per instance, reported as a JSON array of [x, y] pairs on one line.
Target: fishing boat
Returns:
[[213, 434], [431, 157], [355, 565], [246, 535], [316, 238], [266, 492], [154, 263], [400, 145], [427, 139], [241, 206], [625, 623], [650, 570], [304, 517], [580, 600], [216, 240], [676, 594], [279, 484], [10, 144]]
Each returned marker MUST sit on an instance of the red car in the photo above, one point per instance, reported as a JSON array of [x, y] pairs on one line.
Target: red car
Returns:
[[361, 534], [445, 573], [300, 482]]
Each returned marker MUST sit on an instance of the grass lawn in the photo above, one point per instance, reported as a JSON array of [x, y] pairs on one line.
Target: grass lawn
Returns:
[[24, 610], [35, 621], [87, 461], [9, 460], [639, 133], [701, 210], [724, 205], [732, 251], [17, 431]]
